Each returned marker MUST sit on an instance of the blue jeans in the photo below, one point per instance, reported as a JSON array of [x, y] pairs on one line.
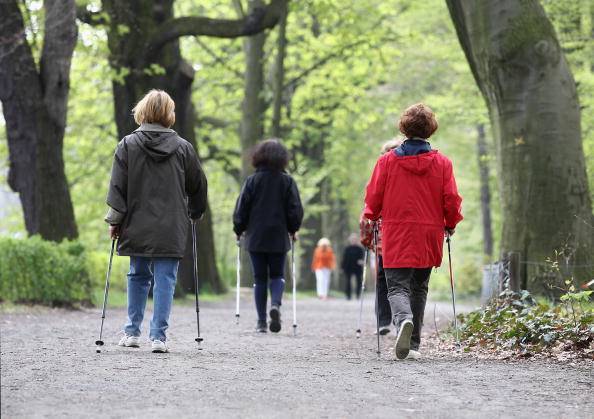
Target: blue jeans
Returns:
[[139, 284]]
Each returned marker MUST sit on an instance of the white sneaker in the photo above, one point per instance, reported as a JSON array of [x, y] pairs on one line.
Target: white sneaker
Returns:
[[412, 354], [130, 341], [402, 347], [159, 346]]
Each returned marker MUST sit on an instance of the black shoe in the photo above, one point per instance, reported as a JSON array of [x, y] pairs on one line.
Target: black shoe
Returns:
[[261, 326], [275, 319]]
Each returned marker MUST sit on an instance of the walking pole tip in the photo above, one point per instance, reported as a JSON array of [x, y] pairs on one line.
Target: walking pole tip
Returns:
[[99, 344]]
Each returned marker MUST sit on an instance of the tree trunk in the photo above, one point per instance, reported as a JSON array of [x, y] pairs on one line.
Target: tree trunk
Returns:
[[533, 104], [279, 76], [251, 129], [483, 165], [35, 107]]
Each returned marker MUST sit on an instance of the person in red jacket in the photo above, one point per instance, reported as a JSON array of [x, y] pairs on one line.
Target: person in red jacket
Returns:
[[414, 191]]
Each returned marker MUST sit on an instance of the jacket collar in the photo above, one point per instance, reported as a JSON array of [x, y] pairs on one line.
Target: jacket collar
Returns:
[[153, 127]]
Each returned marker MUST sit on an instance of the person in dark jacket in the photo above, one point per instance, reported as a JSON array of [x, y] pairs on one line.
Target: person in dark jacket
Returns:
[[414, 190], [268, 211], [156, 188], [352, 265]]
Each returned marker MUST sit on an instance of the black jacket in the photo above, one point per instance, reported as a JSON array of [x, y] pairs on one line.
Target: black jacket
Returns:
[[268, 209], [157, 182], [351, 257]]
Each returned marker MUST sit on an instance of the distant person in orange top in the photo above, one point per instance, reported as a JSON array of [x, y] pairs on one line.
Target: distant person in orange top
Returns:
[[323, 263]]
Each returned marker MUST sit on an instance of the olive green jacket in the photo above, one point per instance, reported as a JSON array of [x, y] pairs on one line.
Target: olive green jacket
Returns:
[[157, 185]]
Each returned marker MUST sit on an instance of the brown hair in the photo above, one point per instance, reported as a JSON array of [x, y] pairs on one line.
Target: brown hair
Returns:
[[272, 154], [418, 121], [155, 107]]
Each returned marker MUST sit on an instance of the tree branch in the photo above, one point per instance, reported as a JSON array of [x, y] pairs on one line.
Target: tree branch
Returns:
[[219, 59], [225, 158], [214, 122], [259, 20]]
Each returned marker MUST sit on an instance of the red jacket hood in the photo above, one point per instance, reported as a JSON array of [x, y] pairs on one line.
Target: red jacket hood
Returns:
[[419, 164]]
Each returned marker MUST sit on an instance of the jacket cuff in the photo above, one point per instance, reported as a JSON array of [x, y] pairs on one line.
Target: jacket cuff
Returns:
[[114, 217]]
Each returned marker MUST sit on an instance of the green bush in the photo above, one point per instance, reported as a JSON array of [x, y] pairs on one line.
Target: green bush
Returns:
[[36, 271], [98, 262], [519, 323]]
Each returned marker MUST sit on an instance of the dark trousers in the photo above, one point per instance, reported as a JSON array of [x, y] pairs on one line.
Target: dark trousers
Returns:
[[267, 265], [407, 294], [347, 289], [383, 311]]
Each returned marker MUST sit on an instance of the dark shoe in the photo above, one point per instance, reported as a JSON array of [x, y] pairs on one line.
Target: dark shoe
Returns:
[[384, 330], [402, 347], [261, 326], [275, 319]]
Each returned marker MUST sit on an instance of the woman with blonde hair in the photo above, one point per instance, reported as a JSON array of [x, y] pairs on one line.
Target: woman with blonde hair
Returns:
[[157, 188], [322, 264]]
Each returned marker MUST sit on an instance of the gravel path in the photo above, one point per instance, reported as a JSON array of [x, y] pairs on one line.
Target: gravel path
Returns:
[[49, 369]]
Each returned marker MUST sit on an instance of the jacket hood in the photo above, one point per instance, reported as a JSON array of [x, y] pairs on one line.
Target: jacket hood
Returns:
[[418, 164], [158, 145]]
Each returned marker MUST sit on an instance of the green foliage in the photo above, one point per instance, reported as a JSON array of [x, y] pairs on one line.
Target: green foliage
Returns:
[[518, 323], [98, 261], [351, 68], [36, 271]]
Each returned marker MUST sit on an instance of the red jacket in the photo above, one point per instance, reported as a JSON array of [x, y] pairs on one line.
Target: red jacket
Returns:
[[417, 197]]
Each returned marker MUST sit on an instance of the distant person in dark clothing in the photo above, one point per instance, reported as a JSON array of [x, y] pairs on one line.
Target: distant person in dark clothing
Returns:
[[352, 265], [268, 211]]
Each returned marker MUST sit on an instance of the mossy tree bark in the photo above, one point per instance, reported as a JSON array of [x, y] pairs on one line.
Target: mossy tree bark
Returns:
[[529, 89], [35, 107], [144, 51]]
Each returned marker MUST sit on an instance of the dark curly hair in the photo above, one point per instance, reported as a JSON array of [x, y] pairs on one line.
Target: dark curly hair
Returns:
[[270, 154], [418, 121]]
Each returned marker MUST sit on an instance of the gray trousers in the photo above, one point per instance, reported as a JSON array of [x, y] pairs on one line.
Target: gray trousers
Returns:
[[407, 294]]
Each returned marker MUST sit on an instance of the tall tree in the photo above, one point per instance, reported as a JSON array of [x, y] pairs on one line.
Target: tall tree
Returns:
[[485, 195], [529, 89], [251, 129], [35, 107], [143, 40]]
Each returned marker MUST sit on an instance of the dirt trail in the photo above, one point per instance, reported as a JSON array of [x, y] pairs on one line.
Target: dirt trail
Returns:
[[50, 369]]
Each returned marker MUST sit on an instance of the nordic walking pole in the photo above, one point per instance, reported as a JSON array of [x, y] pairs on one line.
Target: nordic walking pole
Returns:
[[362, 293], [99, 342], [238, 282], [195, 254], [375, 241], [453, 290], [294, 286]]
